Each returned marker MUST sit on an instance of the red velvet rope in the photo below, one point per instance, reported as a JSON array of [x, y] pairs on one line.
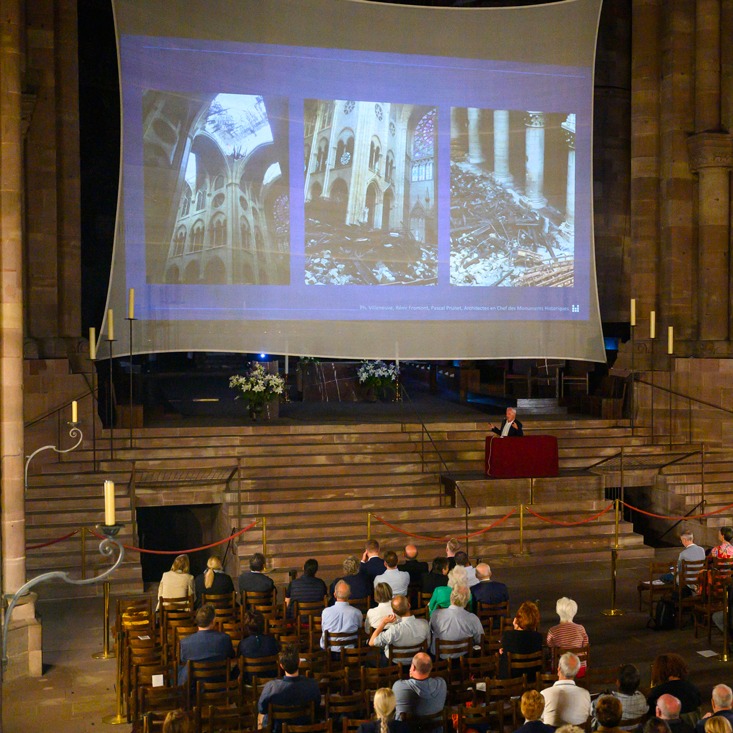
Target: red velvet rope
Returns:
[[52, 542], [570, 524], [445, 539], [181, 552], [677, 519]]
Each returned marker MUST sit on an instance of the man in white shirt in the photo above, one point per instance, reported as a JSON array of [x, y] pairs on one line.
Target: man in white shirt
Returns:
[[455, 622], [410, 631], [341, 618], [397, 580], [565, 702]]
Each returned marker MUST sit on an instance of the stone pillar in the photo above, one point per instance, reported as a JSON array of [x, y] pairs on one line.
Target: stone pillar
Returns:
[[711, 157], [535, 143], [707, 66], [569, 223], [501, 147], [475, 151]]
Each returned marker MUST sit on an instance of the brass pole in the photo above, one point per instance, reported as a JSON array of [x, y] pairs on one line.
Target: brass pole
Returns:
[[725, 624], [264, 536], [119, 718], [105, 653], [369, 526], [83, 553], [613, 611], [521, 529]]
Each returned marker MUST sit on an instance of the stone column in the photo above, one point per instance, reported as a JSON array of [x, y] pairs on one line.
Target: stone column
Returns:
[[535, 141], [501, 147], [475, 152], [569, 223], [707, 66]]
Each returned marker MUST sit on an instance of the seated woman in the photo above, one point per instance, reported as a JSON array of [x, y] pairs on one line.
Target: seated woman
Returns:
[[567, 634], [257, 643], [522, 639], [213, 580], [385, 703], [724, 550], [359, 583], [383, 597], [532, 706], [441, 595], [176, 582], [669, 676]]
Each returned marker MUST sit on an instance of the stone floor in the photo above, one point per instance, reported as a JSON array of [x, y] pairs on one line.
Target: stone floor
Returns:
[[76, 691]]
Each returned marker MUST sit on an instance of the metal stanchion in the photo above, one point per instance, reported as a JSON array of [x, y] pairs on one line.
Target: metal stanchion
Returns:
[[725, 624], [369, 526], [613, 611], [130, 319], [521, 529], [105, 653], [83, 553], [118, 718], [110, 404], [264, 536]]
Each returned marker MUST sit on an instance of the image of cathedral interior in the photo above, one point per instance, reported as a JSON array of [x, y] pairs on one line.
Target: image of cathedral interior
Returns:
[[512, 198], [370, 193], [216, 179]]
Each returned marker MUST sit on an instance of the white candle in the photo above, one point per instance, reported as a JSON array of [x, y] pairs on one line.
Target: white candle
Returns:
[[74, 412], [652, 324], [632, 315], [287, 365], [131, 303], [92, 344], [670, 340], [109, 503], [110, 325]]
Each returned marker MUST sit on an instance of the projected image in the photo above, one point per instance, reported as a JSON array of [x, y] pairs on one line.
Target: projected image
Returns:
[[370, 193], [216, 189], [512, 198]]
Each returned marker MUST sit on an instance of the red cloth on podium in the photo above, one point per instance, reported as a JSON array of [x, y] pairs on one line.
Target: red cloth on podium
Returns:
[[533, 456]]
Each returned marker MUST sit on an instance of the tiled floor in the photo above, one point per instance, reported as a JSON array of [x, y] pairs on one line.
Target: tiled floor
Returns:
[[77, 691]]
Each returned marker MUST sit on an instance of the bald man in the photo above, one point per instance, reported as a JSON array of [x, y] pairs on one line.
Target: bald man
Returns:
[[487, 590], [412, 565], [668, 708], [421, 694]]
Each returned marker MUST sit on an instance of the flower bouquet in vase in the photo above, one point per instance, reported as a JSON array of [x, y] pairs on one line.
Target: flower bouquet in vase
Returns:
[[259, 387], [378, 378]]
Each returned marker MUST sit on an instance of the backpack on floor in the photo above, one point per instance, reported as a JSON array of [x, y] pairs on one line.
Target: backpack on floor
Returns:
[[665, 615]]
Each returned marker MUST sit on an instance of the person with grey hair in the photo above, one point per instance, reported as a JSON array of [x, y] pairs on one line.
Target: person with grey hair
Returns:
[[455, 622], [441, 596], [691, 553], [567, 634], [668, 708], [721, 702], [359, 583], [565, 702], [341, 618], [488, 590]]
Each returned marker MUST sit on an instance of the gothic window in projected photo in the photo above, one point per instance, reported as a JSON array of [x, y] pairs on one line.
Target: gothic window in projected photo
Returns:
[[512, 188], [218, 159], [367, 220]]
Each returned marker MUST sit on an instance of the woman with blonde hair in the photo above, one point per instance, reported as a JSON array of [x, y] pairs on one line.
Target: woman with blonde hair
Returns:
[[383, 597], [177, 721], [213, 581], [384, 707], [718, 724], [441, 595], [176, 582]]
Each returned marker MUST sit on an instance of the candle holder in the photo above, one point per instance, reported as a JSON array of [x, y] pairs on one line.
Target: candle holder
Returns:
[[107, 548], [130, 320], [110, 404], [74, 432]]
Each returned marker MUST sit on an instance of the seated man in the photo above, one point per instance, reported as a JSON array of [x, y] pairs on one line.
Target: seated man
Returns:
[[691, 553], [609, 713], [397, 580], [668, 708], [633, 701], [292, 690], [341, 618], [410, 631], [421, 694], [412, 565], [487, 590], [722, 704], [565, 702], [371, 564], [307, 588], [255, 579], [455, 622], [206, 645]]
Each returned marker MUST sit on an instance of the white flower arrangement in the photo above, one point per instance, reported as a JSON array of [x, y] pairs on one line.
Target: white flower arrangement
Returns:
[[377, 374], [257, 386]]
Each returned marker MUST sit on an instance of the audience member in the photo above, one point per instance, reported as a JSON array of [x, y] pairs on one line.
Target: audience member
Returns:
[[414, 567], [371, 564], [307, 588], [668, 708], [669, 676], [523, 638], [721, 702], [206, 645], [441, 595], [451, 548], [455, 622], [396, 579], [461, 558], [609, 713], [488, 590], [383, 597], [257, 643], [421, 694], [410, 631], [361, 586], [718, 725], [213, 580], [255, 579], [176, 582], [384, 704], [655, 725], [437, 577], [532, 704], [565, 702], [292, 690], [691, 553], [724, 550], [633, 702], [568, 634], [341, 618], [177, 721]]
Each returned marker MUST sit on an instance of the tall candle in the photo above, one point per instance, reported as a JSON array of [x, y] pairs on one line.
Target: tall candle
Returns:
[[652, 324], [287, 365], [109, 503], [131, 303], [632, 315], [670, 340], [74, 412], [110, 325], [92, 344]]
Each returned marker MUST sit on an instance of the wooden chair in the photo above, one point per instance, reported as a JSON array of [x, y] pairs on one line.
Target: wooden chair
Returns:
[[220, 600], [153, 721], [423, 599], [372, 678], [507, 692], [313, 662], [141, 675], [491, 614], [351, 725], [206, 671], [233, 718], [653, 587], [428, 723], [481, 717], [476, 667], [718, 588], [402, 655], [445, 649], [335, 644], [363, 604], [285, 630], [325, 726], [354, 659], [160, 699], [291, 714], [219, 694], [583, 654], [526, 664], [543, 680], [688, 579], [332, 680], [353, 705], [259, 667], [307, 608]]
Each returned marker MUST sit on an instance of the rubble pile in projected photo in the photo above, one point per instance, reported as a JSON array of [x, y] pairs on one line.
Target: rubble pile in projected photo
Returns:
[[360, 255], [498, 240]]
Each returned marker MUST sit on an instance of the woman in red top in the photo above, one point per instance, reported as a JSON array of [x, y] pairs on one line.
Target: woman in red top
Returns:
[[725, 548], [567, 634]]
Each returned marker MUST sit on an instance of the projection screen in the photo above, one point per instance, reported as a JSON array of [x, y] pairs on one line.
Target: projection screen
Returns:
[[337, 178]]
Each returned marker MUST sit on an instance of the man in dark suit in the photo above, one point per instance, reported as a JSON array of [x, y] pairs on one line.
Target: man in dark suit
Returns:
[[437, 577], [206, 645], [255, 579], [510, 426], [371, 564], [488, 590], [722, 704], [307, 588], [412, 565]]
